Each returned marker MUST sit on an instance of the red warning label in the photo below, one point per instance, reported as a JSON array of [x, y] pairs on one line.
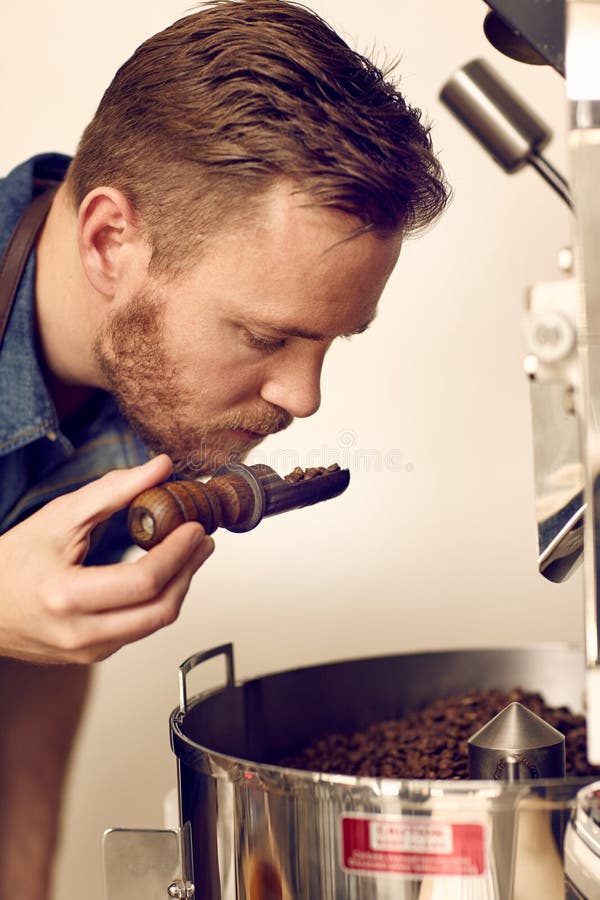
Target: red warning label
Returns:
[[411, 846]]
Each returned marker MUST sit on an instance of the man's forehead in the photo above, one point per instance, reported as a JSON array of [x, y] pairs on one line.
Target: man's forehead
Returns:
[[286, 202]]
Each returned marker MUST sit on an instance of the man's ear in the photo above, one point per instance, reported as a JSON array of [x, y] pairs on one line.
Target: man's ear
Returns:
[[109, 236]]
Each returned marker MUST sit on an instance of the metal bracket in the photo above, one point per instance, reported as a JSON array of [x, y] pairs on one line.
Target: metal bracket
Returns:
[[145, 863]]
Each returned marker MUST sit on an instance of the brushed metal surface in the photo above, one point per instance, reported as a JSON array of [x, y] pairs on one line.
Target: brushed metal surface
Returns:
[[261, 832]]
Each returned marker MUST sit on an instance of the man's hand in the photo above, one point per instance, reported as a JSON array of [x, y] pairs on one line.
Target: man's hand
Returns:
[[55, 610]]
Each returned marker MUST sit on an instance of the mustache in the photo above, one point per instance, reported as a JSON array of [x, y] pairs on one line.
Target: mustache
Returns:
[[268, 420], [205, 457]]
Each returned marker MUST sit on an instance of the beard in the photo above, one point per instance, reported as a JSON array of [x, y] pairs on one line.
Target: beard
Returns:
[[151, 396]]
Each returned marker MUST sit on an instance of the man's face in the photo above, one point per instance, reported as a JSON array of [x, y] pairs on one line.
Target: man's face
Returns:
[[205, 365]]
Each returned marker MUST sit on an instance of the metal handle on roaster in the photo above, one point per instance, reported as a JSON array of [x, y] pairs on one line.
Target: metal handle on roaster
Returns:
[[191, 662], [237, 498]]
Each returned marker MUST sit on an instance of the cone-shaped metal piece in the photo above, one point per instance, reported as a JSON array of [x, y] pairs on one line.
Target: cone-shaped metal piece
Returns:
[[513, 746], [517, 744]]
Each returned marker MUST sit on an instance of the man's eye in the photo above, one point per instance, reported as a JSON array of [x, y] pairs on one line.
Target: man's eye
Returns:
[[267, 345]]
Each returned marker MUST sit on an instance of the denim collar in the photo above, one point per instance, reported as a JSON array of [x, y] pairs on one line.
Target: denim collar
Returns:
[[26, 408]]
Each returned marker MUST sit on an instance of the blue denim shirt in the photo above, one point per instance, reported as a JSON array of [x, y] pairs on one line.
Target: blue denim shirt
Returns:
[[41, 457]]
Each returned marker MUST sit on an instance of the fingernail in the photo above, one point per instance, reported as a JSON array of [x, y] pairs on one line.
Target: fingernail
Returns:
[[153, 459]]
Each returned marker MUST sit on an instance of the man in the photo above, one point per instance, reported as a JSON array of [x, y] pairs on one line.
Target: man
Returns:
[[237, 203]]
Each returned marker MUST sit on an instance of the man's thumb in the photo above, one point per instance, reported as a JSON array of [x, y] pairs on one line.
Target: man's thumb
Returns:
[[99, 499]]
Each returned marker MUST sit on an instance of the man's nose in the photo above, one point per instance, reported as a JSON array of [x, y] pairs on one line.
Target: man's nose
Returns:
[[294, 383]]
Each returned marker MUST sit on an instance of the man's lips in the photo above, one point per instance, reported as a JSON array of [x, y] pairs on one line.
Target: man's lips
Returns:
[[259, 433]]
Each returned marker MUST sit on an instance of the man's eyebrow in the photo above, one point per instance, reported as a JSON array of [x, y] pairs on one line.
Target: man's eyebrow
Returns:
[[310, 335]]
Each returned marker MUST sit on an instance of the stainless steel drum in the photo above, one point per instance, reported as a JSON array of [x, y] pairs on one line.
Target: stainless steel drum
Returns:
[[256, 831]]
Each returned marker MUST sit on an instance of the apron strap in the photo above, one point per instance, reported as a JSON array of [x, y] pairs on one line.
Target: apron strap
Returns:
[[17, 251]]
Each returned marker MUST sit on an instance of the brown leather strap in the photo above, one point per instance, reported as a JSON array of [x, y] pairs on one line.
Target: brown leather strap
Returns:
[[17, 251]]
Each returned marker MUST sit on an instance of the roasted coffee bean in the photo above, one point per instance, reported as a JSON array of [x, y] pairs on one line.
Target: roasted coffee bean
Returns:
[[312, 473], [296, 475], [299, 474], [432, 742]]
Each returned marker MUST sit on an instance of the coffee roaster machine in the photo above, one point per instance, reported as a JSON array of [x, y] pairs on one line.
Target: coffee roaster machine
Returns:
[[517, 829]]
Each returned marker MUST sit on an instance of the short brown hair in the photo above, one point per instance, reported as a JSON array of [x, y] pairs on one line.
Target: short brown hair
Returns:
[[209, 113]]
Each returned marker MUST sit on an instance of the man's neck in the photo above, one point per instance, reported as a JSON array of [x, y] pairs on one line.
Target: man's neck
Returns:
[[64, 335]]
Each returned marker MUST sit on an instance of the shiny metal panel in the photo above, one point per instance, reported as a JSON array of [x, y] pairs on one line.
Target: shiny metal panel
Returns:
[[585, 150], [552, 365], [583, 92]]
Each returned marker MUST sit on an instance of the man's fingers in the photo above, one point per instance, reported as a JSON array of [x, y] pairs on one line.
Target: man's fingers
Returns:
[[103, 633], [99, 499], [94, 589]]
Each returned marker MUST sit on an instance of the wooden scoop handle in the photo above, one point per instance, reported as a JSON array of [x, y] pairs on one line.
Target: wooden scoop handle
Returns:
[[224, 500]]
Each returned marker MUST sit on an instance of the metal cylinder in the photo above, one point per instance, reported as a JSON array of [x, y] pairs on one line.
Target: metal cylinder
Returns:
[[259, 830], [495, 115]]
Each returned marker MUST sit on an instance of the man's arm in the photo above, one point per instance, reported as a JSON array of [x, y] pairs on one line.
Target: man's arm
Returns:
[[40, 709], [55, 610]]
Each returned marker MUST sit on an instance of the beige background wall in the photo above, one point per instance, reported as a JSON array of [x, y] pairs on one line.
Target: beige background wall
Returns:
[[434, 546]]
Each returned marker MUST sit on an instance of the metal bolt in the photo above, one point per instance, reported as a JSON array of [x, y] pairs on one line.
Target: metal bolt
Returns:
[[181, 890], [565, 260], [531, 365], [569, 400]]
